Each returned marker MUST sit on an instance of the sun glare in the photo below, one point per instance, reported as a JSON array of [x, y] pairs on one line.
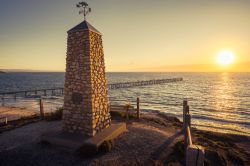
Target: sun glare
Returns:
[[225, 57]]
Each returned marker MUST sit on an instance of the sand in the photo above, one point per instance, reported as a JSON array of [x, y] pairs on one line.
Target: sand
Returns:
[[14, 113]]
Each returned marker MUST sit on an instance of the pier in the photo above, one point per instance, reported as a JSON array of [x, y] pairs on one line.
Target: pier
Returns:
[[59, 90], [142, 83]]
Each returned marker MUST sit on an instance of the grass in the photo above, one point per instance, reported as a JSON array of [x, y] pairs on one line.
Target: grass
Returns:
[[220, 148], [122, 114], [52, 116], [19, 123], [177, 157]]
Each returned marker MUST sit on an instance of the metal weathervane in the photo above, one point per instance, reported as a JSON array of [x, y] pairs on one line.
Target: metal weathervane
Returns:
[[84, 8]]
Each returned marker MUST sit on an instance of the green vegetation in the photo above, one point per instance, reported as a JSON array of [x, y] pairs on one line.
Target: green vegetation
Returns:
[[57, 115], [106, 146], [177, 157], [220, 148], [19, 123], [90, 150], [119, 114]]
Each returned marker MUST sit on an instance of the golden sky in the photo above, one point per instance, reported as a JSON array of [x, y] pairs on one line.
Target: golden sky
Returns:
[[138, 35]]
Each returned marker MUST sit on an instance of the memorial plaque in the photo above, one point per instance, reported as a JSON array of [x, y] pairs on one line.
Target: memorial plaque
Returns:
[[77, 98]]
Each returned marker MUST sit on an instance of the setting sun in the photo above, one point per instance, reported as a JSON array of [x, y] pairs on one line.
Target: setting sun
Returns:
[[225, 57]]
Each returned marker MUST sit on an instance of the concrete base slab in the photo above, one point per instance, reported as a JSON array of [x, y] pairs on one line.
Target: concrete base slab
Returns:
[[73, 141], [195, 155]]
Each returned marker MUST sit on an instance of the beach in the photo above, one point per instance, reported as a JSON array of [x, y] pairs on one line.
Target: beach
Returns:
[[15, 113]]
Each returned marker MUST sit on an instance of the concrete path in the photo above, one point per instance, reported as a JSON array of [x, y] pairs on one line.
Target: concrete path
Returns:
[[142, 143], [25, 135]]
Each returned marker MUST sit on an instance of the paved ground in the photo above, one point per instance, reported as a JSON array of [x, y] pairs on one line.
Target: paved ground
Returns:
[[144, 143]]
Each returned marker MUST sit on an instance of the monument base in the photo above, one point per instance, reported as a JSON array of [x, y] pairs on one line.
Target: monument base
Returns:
[[73, 142]]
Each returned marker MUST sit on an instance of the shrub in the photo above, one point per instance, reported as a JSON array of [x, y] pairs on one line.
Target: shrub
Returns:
[[106, 146], [57, 115]]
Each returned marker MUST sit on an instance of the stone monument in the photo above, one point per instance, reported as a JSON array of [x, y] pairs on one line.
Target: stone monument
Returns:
[[86, 108], [86, 117]]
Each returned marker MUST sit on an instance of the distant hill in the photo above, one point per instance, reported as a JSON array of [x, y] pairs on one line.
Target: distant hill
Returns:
[[24, 70], [2, 72]]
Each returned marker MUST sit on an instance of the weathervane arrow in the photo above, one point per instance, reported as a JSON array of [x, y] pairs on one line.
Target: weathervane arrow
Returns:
[[84, 8]]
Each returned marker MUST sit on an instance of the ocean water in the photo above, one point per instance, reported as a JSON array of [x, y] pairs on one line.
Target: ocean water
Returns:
[[218, 101]]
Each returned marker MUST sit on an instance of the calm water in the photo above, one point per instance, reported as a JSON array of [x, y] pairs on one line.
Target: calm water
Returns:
[[218, 101]]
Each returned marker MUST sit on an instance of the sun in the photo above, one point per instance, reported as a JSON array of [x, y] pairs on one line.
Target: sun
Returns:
[[225, 57]]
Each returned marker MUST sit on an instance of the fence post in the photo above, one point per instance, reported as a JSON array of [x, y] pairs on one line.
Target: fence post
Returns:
[[185, 103], [41, 109], [188, 120], [187, 109], [2, 100], [187, 124], [138, 107]]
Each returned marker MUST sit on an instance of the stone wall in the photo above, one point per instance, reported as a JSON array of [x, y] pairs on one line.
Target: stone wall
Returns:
[[85, 90], [99, 88]]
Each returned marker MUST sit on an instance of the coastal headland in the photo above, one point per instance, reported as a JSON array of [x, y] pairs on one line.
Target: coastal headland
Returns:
[[154, 139]]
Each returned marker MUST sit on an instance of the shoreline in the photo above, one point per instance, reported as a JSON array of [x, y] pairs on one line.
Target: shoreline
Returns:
[[153, 128], [14, 113]]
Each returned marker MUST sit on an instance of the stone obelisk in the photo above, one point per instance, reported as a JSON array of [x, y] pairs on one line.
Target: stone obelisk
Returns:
[[86, 109]]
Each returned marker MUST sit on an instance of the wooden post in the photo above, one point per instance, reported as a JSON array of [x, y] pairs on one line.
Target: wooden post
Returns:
[[6, 120], [187, 109], [44, 93], [127, 109], [109, 108], [185, 103], [127, 113], [138, 107], [187, 124], [188, 120], [2, 100], [41, 109], [15, 96]]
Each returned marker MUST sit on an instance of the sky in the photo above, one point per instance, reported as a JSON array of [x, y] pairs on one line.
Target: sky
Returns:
[[138, 35]]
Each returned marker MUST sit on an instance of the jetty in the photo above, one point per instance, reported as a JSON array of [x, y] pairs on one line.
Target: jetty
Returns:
[[142, 83], [60, 90]]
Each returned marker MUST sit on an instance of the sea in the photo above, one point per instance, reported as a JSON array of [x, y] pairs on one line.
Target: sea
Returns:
[[218, 101]]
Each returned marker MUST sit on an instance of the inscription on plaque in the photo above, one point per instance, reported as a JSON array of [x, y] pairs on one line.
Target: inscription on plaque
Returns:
[[77, 98]]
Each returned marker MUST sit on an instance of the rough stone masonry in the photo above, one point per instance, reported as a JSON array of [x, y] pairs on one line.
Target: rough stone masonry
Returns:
[[86, 109]]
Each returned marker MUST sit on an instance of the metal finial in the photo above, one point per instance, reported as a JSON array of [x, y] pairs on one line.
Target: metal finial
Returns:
[[84, 8]]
